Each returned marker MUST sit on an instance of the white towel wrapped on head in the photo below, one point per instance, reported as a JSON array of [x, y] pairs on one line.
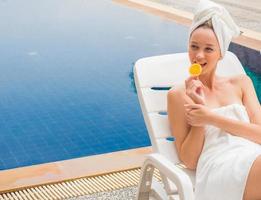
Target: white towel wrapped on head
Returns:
[[223, 25]]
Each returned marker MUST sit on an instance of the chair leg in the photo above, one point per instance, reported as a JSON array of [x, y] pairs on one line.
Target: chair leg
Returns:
[[149, 187], [145, 182], [177, 176]]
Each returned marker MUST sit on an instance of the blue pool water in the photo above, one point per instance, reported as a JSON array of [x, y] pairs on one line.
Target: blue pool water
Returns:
[[65, 84]]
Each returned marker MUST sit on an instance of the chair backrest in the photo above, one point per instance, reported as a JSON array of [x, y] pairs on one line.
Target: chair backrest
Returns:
[[154, 76]]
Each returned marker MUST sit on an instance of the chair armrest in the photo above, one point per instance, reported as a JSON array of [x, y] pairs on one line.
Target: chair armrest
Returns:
[[172, 172]]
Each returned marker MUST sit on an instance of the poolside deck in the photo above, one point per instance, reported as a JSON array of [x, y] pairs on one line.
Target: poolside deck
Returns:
[[246, 13], [249, 38]]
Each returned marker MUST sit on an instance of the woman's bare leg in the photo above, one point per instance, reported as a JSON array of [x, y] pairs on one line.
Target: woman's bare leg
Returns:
[[253, 190]]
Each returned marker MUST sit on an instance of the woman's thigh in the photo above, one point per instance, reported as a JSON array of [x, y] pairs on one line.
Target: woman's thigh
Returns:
[[253, 190]]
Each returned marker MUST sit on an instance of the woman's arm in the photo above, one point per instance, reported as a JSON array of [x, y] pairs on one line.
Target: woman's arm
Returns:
[[249, 99], [238, 128], [189, 140], [200, 115]]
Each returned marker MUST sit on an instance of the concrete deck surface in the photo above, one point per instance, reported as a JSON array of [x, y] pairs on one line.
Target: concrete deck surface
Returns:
[[246, 13]]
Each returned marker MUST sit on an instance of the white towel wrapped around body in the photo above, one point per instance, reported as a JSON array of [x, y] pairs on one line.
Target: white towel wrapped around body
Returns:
[[223, 25], [226, 160]]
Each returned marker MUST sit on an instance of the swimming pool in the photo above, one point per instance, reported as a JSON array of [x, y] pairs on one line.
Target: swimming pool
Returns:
[[65, 87]]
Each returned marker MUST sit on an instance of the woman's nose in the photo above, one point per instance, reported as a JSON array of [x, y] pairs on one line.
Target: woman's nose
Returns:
[[199, 55]]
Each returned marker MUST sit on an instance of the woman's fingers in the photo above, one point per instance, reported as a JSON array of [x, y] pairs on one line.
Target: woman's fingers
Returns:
[[190, 78], [193, 79], [190, 81], [194, 89], [187, 113], [192, 106], [194, 86], [190, 121]]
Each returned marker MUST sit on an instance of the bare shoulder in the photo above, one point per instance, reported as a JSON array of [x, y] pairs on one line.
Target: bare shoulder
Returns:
[[240, 80], [240, 83], [249, 97]]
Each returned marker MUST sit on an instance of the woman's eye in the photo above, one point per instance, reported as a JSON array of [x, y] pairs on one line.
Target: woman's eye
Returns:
[[209, 49], [193, 46]]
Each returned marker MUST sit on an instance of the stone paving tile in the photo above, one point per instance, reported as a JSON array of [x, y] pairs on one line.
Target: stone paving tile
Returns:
[[247, 14], [122, 194]]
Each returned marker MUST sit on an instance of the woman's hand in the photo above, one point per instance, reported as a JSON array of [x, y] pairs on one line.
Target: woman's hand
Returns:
[[198, 115], [194, 89]]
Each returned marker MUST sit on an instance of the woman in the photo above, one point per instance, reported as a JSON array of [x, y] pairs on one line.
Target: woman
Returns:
[[216, 120]]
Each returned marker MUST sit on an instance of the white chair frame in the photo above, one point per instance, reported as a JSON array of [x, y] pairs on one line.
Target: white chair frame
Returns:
[[152, 76]]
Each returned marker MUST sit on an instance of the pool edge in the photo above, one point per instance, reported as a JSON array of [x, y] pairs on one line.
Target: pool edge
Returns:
[[23, 177]]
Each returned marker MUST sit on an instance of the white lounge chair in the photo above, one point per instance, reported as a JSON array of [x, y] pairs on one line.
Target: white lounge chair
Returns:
[[154, 76]]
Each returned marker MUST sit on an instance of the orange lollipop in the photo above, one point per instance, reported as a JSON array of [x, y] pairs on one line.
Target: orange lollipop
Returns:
[[195, 69]]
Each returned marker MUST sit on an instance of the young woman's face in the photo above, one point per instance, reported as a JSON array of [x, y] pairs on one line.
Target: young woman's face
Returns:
[[204, 49]]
